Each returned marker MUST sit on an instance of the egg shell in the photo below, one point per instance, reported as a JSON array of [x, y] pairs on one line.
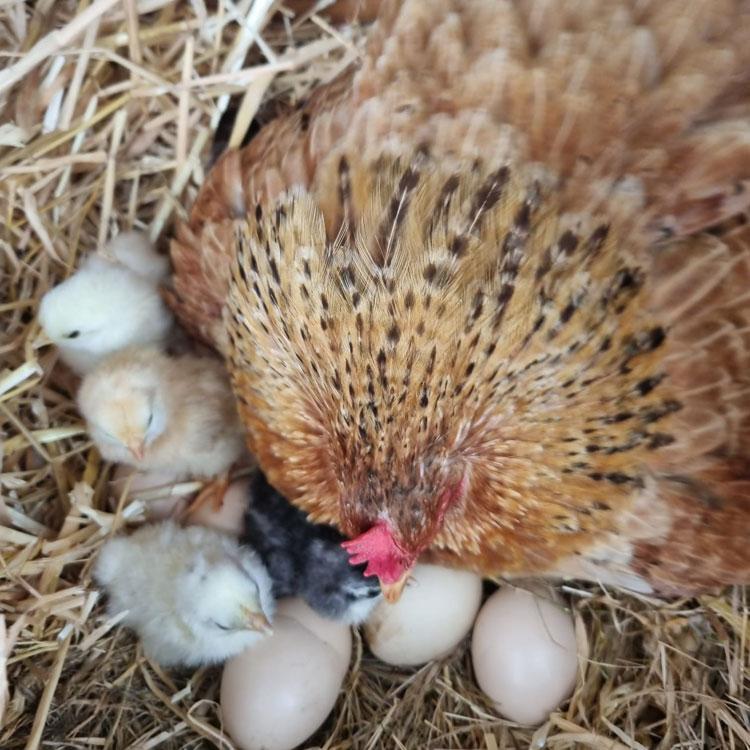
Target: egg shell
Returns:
[[435, 612], [524, 654], [166, 506], [336, 634], [279, 692], [230, 517]]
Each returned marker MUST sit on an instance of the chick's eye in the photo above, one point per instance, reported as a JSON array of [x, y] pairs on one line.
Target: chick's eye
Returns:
[[150, 419], [108, 435], [72, 335], [220, 626]]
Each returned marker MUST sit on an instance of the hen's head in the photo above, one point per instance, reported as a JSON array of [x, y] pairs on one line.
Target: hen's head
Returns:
[[407, 522]]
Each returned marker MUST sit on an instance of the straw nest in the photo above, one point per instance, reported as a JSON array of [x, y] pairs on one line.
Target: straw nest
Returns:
[[109, 111]]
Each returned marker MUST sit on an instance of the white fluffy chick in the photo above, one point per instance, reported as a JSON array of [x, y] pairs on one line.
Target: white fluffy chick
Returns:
[[135, 251], [107, 305], [156, 412], [192, 594]]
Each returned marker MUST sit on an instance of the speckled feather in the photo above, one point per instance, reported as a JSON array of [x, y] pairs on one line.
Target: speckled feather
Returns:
[[470, 287]]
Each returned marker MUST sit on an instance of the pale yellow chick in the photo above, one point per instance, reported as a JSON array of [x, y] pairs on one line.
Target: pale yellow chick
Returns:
[[156, 412], [194, 595]]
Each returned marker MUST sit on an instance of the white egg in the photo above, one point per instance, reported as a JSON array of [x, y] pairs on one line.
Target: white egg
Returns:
[[434, 613], [230, 517], [156, 489], [337, 635], [524, 654], [280, 691]]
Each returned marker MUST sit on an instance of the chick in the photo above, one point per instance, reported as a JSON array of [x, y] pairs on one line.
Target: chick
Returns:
[[193, 595], [107, 305], [306, 559], [159, 413], [135, 251]]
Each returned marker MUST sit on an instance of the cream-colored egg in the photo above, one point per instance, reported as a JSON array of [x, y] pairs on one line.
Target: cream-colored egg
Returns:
[[157, 490], [337, 635], [280, 691], [228, 518], [524, 654], [435, 611]]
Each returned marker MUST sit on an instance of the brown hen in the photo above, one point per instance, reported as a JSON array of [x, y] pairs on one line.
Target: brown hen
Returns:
[[486, 296]]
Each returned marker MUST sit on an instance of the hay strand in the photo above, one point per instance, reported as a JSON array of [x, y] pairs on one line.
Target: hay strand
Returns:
[[54, 42]]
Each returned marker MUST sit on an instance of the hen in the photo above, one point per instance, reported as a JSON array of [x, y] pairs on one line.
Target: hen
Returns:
[[485, 298]]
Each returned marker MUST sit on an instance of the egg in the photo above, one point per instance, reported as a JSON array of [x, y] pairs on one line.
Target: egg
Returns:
[[230, 517], [524, 654], [435, 612], [337, 635], [280, 691], [156, 489]]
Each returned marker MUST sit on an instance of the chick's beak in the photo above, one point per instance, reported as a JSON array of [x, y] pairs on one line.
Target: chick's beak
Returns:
[[256, 620], [138, 449], [41, 339], [392, 591]]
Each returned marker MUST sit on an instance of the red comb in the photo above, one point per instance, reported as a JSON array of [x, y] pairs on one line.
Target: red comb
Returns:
[[379, 550]]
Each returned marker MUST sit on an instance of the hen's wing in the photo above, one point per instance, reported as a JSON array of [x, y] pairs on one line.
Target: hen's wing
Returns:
[[285, 153], [622, 450], [700, 290]]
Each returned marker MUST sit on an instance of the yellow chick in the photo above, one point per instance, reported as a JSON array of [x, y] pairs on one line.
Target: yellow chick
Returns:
[[158, 413], [193, 595]]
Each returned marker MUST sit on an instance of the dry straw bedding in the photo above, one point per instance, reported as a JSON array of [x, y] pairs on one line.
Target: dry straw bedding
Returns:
[[108, 113]]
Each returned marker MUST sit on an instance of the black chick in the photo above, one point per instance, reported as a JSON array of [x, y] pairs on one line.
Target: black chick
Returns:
[[306, 559]]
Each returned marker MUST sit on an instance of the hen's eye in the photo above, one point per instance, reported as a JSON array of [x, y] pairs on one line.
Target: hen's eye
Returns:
[[73, 335]]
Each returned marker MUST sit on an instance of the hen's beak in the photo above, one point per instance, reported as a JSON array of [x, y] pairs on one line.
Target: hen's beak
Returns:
[[138, 449], [392, 591], [256, 620]]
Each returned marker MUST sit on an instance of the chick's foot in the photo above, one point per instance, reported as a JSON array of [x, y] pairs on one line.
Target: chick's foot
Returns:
[[213, 492]]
